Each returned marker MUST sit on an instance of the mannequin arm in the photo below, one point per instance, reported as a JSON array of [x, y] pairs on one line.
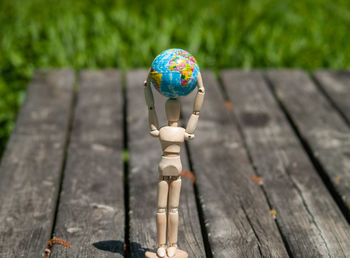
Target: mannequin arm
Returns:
[[198, 101], [152, 115]]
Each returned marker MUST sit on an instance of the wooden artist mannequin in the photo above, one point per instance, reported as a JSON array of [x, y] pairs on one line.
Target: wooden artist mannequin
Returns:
[[171, 138]]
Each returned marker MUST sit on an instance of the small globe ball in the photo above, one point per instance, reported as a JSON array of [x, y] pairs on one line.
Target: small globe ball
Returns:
[[174, 73]]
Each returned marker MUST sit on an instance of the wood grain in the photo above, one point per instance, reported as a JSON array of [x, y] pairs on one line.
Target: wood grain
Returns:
[[91, 208], [145, 154], [32, 163], [336, 85], [324, 132], [310, 220], [237, 214]]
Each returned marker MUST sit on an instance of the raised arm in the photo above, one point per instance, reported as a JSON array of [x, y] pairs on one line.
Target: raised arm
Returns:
[[198, 101], [152, 115]]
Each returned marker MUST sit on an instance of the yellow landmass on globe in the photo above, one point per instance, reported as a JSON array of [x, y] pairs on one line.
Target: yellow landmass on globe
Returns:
[[156, 78]]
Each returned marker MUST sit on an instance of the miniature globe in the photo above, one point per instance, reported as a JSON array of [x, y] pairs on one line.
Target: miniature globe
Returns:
[[174, 73]]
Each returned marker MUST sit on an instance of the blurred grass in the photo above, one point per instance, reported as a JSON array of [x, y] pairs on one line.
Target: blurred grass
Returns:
[[97, 34]]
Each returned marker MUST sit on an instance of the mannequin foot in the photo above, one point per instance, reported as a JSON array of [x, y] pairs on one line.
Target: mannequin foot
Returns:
[[177, 253], [161, 251], [171, 250]]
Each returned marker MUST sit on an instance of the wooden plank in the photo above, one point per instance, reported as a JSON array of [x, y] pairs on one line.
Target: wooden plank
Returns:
[[145, 154], [237, 214], [29, 175], [91, 208], [310, 220], [336, 85], [323, 131]]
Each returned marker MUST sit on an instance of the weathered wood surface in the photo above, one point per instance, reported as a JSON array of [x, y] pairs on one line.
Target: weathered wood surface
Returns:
[[32, 163], [336, 85], [237, 213], [145, 154], [320, 127], [283, 127], [310, 220], [91, 207]]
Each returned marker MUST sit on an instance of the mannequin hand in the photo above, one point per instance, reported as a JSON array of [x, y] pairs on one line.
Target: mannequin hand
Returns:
[[154, 133]]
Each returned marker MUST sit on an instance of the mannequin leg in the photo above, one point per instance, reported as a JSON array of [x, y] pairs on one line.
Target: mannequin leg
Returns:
[[161, 215], [173, 215]]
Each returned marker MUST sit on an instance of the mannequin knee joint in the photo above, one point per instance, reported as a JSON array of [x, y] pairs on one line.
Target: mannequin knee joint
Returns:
[[173, 210], [161, 210]]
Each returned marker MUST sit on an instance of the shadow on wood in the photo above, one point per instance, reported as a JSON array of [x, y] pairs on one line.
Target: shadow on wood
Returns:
[[117, 246], [138, 249], [113, 246]]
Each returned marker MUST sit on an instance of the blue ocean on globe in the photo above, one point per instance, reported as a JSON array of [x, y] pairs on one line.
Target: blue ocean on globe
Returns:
[[174, 73]]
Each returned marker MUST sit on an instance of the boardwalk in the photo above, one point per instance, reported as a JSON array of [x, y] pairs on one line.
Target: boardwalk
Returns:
[[268, 174]]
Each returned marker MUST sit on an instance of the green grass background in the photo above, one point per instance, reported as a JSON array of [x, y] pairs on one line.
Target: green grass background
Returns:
[[126, 33]]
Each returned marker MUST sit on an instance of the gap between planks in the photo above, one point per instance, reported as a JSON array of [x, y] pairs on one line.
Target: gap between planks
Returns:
[[335, 85]]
